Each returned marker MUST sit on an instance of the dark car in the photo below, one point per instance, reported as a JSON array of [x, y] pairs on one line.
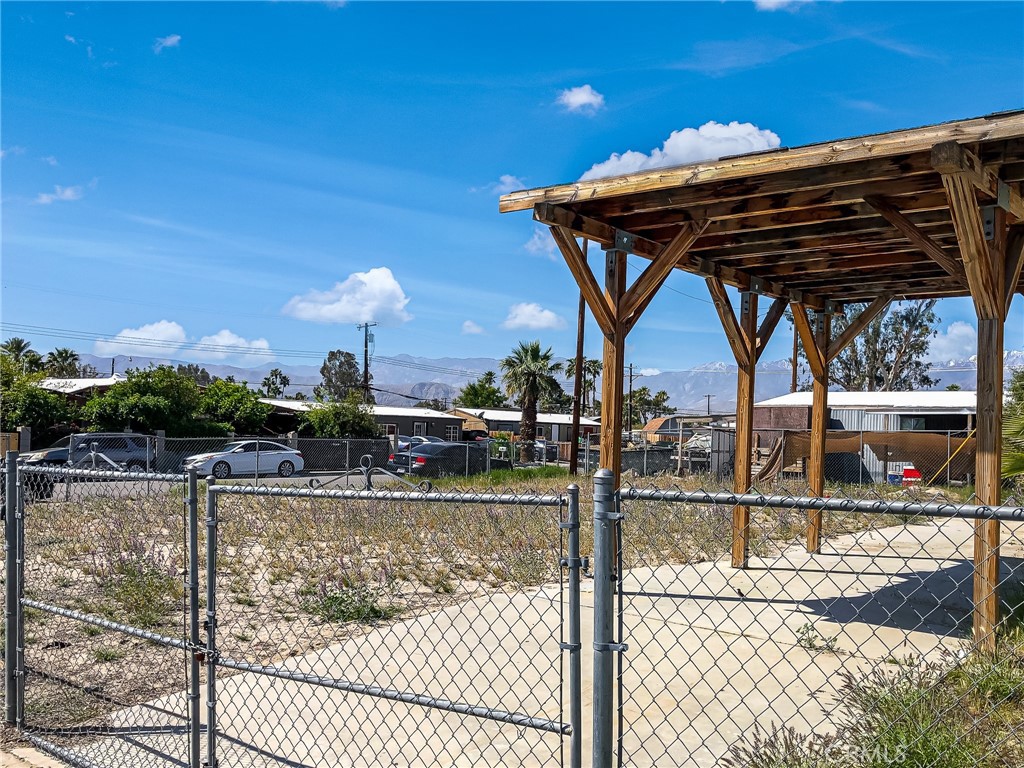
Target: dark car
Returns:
[[543, 450], [443, 460], [404, 441], [96, 450]]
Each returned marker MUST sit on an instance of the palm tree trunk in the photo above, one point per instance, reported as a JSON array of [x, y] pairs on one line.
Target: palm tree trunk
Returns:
[[528, 428]]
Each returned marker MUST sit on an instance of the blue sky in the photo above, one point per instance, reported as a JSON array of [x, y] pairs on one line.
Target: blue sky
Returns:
[[264, 176]]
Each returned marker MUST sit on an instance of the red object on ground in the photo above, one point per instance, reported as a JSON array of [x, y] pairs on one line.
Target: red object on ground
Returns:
[[911, 476]]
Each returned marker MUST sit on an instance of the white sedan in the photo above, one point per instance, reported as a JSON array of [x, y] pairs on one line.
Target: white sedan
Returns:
[[247, 457]]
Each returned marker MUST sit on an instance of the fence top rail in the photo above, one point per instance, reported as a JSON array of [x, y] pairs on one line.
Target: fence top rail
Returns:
[[869, 506], [466, 497], [57, 470]]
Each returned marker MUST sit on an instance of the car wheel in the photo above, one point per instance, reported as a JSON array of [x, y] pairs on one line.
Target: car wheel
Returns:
[[285, 469], [221, 470], [136, 466]]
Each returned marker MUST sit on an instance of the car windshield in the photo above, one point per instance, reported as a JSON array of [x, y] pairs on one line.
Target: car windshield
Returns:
[[230, 447], [64, 442]]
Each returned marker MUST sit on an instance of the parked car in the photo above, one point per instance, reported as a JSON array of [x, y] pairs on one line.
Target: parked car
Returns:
[[247, 457], [443, 459], [99, 450], [404, 441], [545, 451]]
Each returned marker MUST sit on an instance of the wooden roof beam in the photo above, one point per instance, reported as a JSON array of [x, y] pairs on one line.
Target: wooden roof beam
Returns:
[[1014, 263], [950, 158], [738, 340], [853, 330], [767, 327], [934, 251], [815, 359], [639, 295], [599, 304], [599, 231], [986, 288]]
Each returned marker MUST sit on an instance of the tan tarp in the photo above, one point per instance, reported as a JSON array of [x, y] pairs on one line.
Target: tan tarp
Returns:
[[927, 451]]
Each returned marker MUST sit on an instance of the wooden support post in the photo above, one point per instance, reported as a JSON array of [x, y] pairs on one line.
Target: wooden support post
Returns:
[[983, 247], [744, 428], [819, 430], [611, 375]]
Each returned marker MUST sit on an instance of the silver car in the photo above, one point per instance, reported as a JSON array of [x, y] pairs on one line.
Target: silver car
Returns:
[[247, 458]]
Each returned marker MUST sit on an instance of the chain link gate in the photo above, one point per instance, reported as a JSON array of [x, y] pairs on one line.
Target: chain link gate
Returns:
[[98, 595], [309, 627]]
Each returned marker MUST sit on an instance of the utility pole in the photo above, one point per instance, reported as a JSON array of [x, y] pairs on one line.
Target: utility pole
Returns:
[[367, 336], [708, 398], [631, 377]]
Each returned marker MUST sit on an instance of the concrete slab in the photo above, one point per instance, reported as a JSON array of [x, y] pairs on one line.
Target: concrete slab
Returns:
[[712, 652]]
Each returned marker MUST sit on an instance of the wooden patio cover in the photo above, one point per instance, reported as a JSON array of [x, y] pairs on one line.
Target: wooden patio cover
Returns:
[[927, 212]]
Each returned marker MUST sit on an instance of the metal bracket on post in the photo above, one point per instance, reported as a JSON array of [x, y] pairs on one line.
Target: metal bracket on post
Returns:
[[1003, 195], [819, 322], [757, 286], [624, 241], [988, 221], [744, 303]]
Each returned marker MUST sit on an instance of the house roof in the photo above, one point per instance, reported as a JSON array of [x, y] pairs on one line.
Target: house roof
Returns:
[[960, 401], [300, 406], [498, 414], [824, 224], [73, 386]]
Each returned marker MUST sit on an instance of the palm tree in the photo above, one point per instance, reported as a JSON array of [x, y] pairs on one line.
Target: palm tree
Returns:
[[527, 374], [591, 370], [62, 363], [21, 353]]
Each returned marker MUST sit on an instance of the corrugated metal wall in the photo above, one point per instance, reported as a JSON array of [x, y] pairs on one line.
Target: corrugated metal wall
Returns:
[[872, 467]]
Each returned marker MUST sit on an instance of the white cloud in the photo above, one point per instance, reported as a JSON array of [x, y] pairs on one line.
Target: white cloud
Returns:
[[470, 328], [50, 160], [15, 150], [171, 41], [776, 5], [689, 145], [506, 183], [542, 244], [63, 194], [373, 295], [958, 342], [160, 338], [532, 316], [649, 371], [70, 39], [241, 349], [582, 98]]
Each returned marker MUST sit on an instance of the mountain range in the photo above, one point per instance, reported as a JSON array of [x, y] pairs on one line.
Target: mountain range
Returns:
[[407, 379]]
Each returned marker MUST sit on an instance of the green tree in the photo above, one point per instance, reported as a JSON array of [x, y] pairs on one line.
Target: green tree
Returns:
[[62, 363], [340, 376], [1013, 427], [434, 403], [22, 355], [87, 371], [201, 376], [953, 387], [152, 399], [348, 418], [889, 354], [481, 393], [528, 376], [275, 383], [23, 403], [591, 372], [234, 404], [646, 406]]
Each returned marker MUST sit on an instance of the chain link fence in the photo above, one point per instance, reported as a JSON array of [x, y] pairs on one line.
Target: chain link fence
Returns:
[[164, 620], [861, 654], [158, 620]]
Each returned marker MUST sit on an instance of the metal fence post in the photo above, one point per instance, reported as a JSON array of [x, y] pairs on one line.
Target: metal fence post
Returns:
[[605, 517], [12, 602], [211, 624], [574, 564], [195, 655]]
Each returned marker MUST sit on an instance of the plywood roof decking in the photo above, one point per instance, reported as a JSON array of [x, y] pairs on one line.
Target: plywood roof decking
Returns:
[[810, 219]]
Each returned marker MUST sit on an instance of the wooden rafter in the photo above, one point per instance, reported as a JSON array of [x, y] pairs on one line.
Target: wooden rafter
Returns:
[[873, 310], [598, 302], [970, 232], [815, 359], [738, 340], [598, 231], [1014, 263], [639, 295], [950, 158], [934, 251], [768, 325]]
